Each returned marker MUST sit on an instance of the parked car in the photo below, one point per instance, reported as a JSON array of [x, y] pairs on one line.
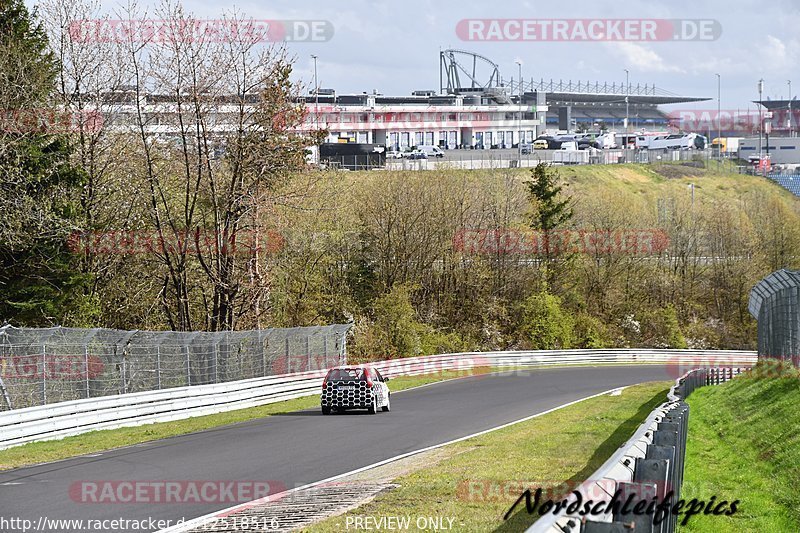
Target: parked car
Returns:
[[355, 387], [525, 148], [552, 142], [394, 154], [586, 143], [416, 154], [540, 144]]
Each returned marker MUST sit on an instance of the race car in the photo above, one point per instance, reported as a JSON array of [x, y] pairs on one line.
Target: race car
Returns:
[[354, 387]]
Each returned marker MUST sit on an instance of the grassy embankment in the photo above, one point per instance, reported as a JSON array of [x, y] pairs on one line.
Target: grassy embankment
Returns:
[[744, 444]]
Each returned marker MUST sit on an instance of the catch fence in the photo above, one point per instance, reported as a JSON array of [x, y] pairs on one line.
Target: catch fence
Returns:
[[49, 365]]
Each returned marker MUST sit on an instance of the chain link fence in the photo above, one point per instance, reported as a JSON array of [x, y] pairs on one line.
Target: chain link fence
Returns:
[[42, 366], [775, 303]]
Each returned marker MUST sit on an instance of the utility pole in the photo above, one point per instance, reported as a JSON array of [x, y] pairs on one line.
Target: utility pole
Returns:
[[790, 107], [519, 115], [316, 92], [627, 94], [719, 121], [760, 123], [316, 101]]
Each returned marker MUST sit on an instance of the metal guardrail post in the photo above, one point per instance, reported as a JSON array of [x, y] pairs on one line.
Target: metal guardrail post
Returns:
[[653, 471], [641, 522], [668, 454]]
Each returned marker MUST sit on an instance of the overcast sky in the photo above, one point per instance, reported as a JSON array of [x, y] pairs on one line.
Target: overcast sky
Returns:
[[393, 46]]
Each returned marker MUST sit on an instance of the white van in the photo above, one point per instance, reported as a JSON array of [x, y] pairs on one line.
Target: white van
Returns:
[[431, 150], [569, 146]]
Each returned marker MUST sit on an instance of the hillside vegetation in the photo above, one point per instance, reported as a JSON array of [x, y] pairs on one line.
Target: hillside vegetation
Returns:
[[427, 262]]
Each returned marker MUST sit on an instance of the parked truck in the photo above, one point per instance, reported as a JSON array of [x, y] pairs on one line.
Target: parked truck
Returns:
[[725, 145]]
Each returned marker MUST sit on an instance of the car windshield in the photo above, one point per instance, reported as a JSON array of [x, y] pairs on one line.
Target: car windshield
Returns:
[[347, 374]]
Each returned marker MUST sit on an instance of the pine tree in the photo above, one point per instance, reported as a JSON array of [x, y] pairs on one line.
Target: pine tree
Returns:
[[38, 185], [552, 209]]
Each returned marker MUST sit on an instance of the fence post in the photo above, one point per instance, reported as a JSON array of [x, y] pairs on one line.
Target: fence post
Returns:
[[6, 397], [263, 354], [216, 363], [44, 375], [86, 368], [309, 364], [158, 366], [3, 355], [124, 372], [288, 359], [188, 366]]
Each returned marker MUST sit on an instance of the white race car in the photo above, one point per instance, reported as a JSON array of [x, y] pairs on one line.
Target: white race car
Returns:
[[354, 387]]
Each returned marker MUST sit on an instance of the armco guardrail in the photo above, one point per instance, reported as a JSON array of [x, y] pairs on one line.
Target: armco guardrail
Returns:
[[79, 416], [650, 464]]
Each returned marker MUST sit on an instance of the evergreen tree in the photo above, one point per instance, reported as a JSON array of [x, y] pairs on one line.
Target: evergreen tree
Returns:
[[38, 185], [551, 211]]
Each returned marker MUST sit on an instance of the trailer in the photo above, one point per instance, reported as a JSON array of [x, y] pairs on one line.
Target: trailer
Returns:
[[725, 145]]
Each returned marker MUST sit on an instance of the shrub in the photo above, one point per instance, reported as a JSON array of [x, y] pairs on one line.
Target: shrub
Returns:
[[590, 332], [545, 324], [662, 330]]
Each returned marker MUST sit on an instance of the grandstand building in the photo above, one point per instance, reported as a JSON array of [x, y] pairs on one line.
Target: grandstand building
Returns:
[[482, 120], [475, 110]]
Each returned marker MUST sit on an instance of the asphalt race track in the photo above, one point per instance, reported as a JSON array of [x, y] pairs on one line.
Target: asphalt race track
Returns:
[[302, 447]]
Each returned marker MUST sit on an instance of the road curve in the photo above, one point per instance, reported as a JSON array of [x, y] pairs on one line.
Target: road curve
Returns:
[[302, 447]]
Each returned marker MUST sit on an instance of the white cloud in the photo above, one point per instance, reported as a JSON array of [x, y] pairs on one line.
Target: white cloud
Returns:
[[639, 57]]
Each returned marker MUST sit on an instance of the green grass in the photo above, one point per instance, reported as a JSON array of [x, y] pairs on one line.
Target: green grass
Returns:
[[638, 187], [744, 444], [96, 441], [567, 445]]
